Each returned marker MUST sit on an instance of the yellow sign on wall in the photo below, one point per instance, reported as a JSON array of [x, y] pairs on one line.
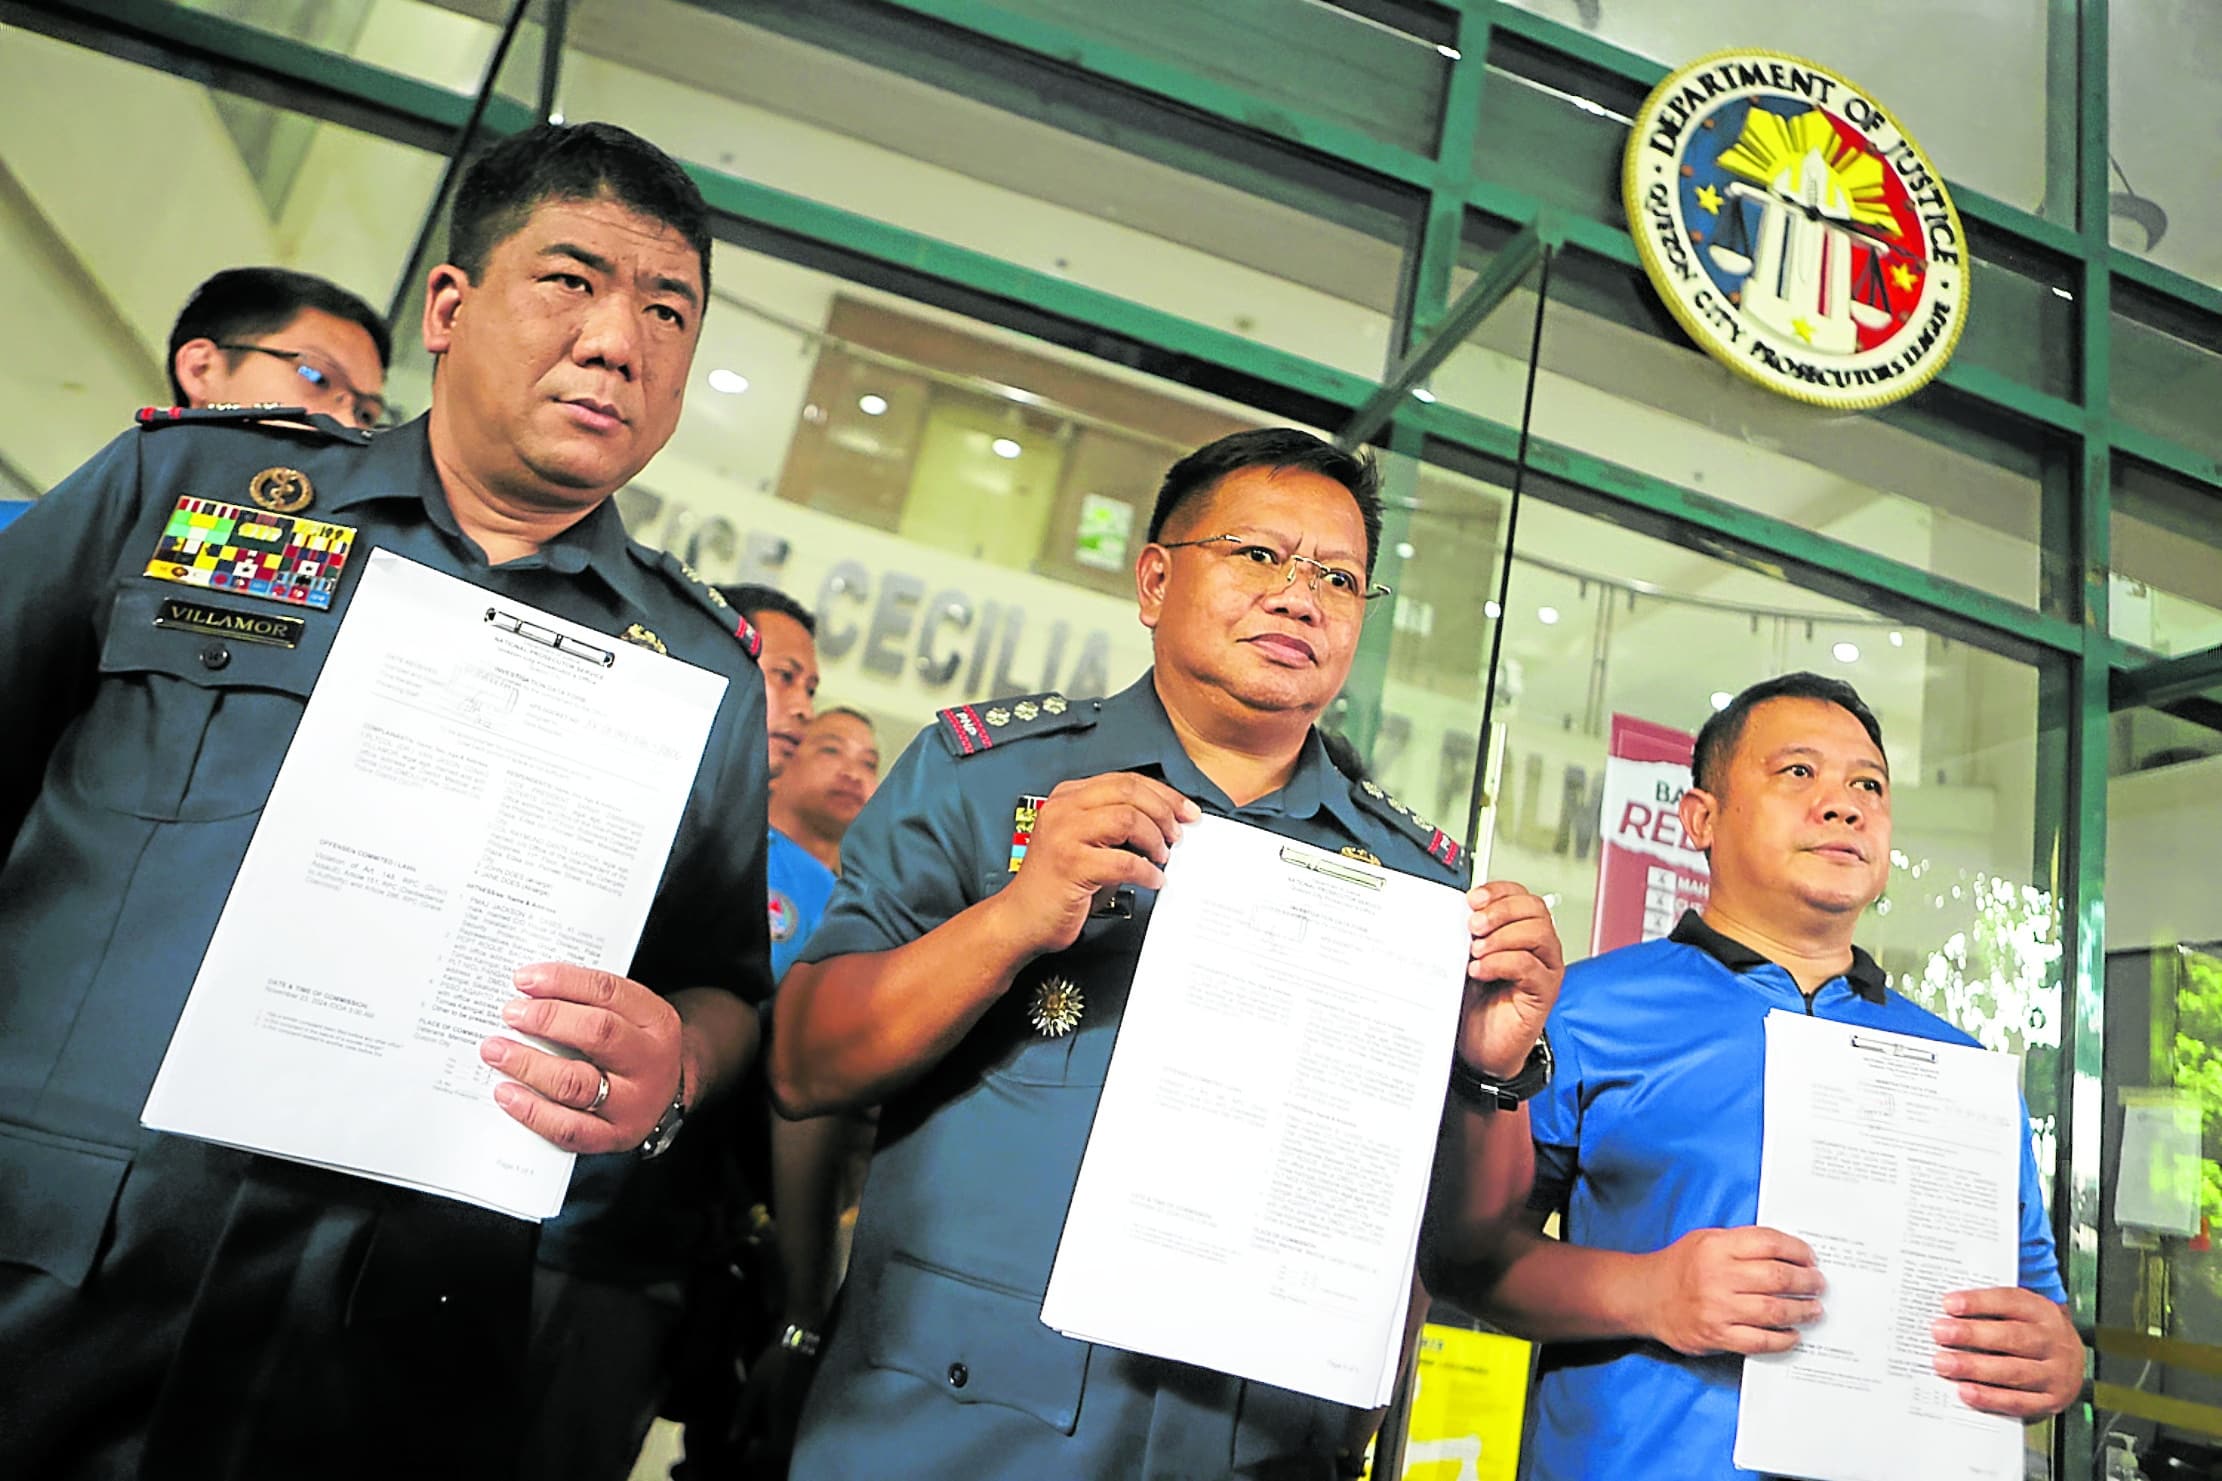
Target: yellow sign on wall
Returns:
[[1471, 1395]]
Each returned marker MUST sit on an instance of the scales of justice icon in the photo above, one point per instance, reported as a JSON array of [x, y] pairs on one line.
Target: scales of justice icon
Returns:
[[1813, 263]]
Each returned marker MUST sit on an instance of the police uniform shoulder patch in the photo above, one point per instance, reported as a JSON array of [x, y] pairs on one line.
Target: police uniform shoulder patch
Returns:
[[261, 414], [1440, 846], [967, 730], [706, 596]]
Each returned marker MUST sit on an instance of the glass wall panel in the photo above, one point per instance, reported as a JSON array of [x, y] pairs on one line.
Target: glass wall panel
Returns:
[[2161, 1147], [105, 234], [2164, 79], [941, 134], [1983, 125], [1321, 61], [959, 505], [1931, 483], [447, 45], [2167, 574], [2167, 364]]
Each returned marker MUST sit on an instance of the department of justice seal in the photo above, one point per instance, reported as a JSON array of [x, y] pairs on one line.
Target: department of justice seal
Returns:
[[1797, 233]]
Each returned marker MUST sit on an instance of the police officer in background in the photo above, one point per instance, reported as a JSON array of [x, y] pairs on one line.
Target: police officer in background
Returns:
[[966, 978], [254, 336], [169, 1308]]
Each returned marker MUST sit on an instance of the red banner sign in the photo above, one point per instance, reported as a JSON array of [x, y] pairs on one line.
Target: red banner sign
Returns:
[[1647, 873]]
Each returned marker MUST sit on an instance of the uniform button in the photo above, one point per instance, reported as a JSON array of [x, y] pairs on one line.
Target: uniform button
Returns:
[[214, 655], [959, 1375]]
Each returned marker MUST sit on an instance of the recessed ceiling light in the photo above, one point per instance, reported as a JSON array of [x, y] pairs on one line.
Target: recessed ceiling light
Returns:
[[1003, 447], [1448, 53], [1491, 609], [870, 405], [1846, 652], [1897, 640], [732, 383], [1404, 551], [1546, 615], [1721, 697], [1422, 393]]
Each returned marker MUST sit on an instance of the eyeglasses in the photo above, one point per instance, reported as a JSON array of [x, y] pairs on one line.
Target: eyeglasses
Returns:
[[1257, 565], [329, 379]]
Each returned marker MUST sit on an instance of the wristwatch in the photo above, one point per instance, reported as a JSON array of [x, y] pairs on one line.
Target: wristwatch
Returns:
[[666, 1130], [1486, 1094]]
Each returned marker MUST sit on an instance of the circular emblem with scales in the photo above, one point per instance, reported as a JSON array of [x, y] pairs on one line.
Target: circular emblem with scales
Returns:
[[1056, 1006], [1795, 230]]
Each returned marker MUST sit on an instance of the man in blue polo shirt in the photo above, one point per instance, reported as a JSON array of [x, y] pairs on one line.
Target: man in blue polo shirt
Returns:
[[1647, 1140]]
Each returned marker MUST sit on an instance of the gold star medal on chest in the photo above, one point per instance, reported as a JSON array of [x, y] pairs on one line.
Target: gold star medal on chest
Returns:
[[1056, 1006]]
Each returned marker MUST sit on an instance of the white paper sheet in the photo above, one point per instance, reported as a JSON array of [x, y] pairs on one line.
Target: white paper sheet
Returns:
[[2156, 1185], [1898, 1160], [1251, 1194], [475, 785]]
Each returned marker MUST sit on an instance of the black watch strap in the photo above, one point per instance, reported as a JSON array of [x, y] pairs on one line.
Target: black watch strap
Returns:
[[1487, 1094]]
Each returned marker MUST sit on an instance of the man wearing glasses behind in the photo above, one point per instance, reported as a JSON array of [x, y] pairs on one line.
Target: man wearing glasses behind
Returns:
[[970, 969], [266, 335]]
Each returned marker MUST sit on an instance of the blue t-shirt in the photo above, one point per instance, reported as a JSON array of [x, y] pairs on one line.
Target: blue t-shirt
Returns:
[[1649, 1129], [800, 887]]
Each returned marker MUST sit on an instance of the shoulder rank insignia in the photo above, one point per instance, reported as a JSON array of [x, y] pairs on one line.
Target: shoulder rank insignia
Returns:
[[968, 730], [261, 414], [642, 637], [1448, 851], [711, 599]]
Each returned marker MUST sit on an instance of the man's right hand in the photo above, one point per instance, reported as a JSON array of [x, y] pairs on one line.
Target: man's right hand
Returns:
[[1090, 835], [1733, 1290]]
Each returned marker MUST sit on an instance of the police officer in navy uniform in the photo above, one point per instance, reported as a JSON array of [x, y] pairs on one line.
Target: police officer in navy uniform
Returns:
[[972, 966], [170, 1308]]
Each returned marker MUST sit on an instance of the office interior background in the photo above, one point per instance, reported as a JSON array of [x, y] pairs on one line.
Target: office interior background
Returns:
[[984, 269]]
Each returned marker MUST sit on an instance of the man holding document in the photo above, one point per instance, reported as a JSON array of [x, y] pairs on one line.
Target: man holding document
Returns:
[[1887, 1136], [974, 967], [401, 799]]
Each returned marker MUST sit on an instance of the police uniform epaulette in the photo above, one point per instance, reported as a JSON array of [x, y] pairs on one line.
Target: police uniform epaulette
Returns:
[[1441, 845], [262, 414], [708, 597], [967, 730]]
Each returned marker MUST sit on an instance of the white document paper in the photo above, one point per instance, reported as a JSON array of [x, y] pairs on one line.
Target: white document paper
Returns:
[[1898, 1159], [1251, 1195], [2156, 1184], [475, 785]]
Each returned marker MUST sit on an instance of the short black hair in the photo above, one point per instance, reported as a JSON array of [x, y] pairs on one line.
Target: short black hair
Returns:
[[241, 302], [749, 600], [571, 162], [1272, 447], [1716, 740]]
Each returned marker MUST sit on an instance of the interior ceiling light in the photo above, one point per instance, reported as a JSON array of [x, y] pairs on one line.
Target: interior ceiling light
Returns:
[[1003, 447], [871, 405], [1546, 615], [1846, 652], [731, 382]]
